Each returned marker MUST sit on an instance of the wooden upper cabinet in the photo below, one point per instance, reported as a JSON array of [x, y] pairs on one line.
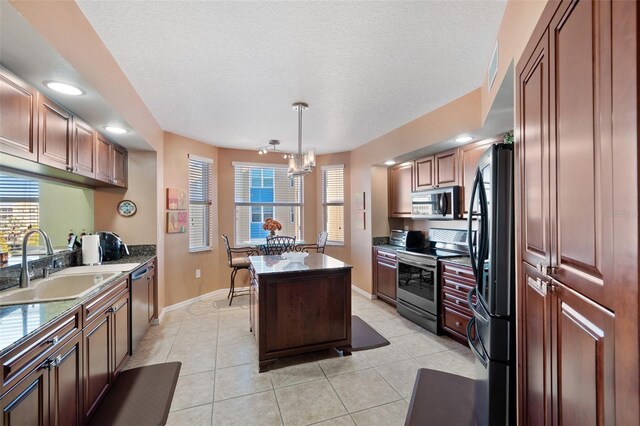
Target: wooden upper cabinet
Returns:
[[423, 173], [533, 107], [400, 185], [104, 161], [119, 166], [468, 158], [446, 168], [55, 135], [84, 149], [581, 187], [18, 117]]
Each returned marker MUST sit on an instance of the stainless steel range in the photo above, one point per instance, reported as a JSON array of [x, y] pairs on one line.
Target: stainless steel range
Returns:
[[417, 278]]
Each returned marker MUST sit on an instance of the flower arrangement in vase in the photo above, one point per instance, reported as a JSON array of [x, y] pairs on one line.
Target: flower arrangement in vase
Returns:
[[272, 226]]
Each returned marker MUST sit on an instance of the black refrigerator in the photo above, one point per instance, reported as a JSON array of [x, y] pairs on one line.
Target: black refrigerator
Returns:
[[491, 331]]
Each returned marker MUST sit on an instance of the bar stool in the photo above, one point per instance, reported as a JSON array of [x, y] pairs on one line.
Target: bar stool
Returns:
[[319, 246], [237, 263]]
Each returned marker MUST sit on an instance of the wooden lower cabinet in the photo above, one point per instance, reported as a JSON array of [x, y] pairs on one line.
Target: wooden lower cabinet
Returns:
[[27, 403], [385, 267], [106, 342], [97, 361], [66, 377], [568, 355], [456, 281]]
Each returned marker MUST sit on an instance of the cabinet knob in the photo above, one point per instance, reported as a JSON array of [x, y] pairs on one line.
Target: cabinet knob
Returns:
[[111, 310], [458, 323], [457, 302], [69, 168]]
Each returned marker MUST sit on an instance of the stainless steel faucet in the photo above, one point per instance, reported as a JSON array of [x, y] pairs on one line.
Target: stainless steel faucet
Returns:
[[25, 278]]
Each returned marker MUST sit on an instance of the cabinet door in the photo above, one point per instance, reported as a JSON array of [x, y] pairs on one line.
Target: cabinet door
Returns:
[[446, 168], [84, 149], [533, 107], [400, 184], [66, 384], [19, 112], [97, 361], [581, 181], [386, 278], [583, 360], [27, 403], [535, 329], [119, 167], [423, 174], [468, 159], [120, 313], [104, 159], [54, 142]]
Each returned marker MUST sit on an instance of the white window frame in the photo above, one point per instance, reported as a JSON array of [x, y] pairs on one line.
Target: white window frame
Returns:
[[209, 202], [274, 205], [325, 204]]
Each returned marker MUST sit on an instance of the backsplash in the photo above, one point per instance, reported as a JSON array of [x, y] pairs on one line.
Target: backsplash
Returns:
[[10, 275]]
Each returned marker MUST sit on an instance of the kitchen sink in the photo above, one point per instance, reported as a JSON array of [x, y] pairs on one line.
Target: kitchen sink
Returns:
[[55, 288]]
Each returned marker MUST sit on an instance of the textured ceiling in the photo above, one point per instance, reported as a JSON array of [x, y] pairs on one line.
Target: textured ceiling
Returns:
[[226, 73]]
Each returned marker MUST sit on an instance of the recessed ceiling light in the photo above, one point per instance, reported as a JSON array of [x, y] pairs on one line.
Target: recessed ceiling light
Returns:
[[64, 88], [114, 129], [464, 139], [389, 162]]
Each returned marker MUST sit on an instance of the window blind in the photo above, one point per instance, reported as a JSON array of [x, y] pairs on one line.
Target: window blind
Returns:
[[333, 202], [200, 203], [19, 210], [264, 191]]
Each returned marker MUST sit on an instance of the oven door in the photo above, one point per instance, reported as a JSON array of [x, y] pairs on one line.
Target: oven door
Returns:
[[417, 285]]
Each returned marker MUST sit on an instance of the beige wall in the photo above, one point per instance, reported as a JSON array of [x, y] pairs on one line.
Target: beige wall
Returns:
[[519, 19], [141, 227], [63, 209], [180, 265]]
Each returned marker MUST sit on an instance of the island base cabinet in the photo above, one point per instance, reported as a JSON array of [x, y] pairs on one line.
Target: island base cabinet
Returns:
[[27, 404]]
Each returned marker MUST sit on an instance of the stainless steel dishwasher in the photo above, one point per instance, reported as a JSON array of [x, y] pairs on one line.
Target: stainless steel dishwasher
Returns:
[[139, 305]]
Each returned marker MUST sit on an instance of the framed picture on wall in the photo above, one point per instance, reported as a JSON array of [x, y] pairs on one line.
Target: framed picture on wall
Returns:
[[176, 199], [176, 222], [360, 220]]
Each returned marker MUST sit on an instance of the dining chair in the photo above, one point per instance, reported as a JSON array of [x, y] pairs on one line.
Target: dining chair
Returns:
[[237, 263], [319, 246], [279, 244]]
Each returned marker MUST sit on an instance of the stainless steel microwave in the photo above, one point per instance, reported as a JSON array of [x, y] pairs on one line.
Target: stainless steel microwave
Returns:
[[441, 203]]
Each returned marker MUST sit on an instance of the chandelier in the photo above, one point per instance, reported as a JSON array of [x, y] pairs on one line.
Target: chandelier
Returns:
[[300, 164]]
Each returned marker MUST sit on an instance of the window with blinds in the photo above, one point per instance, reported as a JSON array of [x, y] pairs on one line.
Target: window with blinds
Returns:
[[264, 191], [19, 210], [200, 203], [333, 202]]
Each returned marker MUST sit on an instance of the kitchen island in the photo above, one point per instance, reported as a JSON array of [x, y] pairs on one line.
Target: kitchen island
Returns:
[[299, 303]]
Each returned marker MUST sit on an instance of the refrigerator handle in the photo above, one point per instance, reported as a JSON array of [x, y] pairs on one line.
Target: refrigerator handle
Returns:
[[481, 356], [483, 243], [472, 252]]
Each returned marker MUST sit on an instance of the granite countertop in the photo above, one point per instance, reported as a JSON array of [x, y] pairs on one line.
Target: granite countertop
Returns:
[[389, 247], [462, 260], [19, 322], [282, 264]]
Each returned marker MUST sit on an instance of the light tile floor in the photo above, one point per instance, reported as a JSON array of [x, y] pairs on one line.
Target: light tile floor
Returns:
[[219, 382]]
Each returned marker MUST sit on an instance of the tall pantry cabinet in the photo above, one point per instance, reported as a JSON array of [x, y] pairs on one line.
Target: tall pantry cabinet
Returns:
[[577, 206]]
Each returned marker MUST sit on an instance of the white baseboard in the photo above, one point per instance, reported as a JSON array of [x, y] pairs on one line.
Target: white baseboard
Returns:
[[363, 293], [216, 294]]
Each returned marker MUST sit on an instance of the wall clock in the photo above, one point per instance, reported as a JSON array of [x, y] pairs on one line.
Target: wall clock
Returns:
[[127, 208]]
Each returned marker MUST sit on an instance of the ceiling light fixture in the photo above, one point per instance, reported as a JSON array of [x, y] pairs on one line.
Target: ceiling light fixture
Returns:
[[114, 129], [463, 139], [64, 88], [301, 164], [273, 147], [389, 162]]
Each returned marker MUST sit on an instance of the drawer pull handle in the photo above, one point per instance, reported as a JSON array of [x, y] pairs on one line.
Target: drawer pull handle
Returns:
[[53, 341], [457, 287], [458, 323], [457, 272], [457, 302]]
